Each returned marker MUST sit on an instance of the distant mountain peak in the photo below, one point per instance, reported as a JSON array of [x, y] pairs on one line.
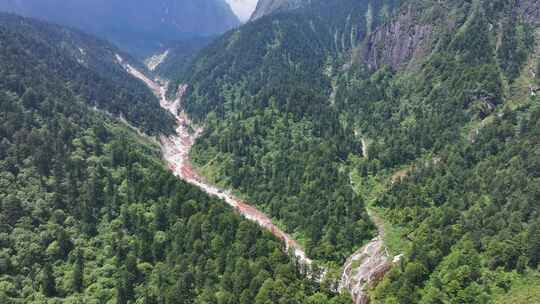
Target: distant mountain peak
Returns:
[[243, 8]]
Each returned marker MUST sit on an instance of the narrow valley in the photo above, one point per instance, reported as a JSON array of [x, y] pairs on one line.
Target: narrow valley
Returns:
[[270, 152], [176, 148], [361, 269]]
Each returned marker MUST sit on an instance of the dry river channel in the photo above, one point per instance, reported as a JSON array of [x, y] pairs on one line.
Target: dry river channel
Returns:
[[364, 267]]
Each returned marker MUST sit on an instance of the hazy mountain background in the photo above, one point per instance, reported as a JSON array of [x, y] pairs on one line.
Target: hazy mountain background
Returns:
[[138, 26], [243, 8]]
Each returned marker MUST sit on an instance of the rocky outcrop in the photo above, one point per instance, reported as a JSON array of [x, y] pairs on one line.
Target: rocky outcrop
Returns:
[[406, 37], [267, 7], [397, 42], [367, 267], [364, 269]]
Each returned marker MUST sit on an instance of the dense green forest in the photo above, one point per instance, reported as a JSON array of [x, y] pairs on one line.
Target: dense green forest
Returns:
[[271, 131], [409, 112], [471, 215], [452, 136], [89, 213], [40, 55], [289, 103], [461, 130]]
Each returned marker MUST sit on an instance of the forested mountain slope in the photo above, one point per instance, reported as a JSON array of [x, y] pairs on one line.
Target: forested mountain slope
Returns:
[[429, 109], [443, 96], [43, 57], [457, 117], [464, 62], [140, 27], [271, 129], [89, 214]]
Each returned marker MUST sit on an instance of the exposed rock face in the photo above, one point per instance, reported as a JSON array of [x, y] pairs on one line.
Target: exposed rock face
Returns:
[[406, 37], [397, 42], [267, 7], [364, 269]]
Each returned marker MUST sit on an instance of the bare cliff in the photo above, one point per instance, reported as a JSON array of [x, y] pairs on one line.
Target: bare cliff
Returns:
[[398, 41], [412, 34]]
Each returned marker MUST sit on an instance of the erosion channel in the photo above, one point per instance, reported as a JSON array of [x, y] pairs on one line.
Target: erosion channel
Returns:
[[364, 267]]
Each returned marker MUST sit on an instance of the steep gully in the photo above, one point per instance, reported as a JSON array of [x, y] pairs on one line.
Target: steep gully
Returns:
[[367, 266], [363, 268]]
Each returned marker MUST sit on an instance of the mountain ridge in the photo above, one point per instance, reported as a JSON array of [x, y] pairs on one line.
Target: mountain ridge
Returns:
[[89, 64], [140, 28]]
